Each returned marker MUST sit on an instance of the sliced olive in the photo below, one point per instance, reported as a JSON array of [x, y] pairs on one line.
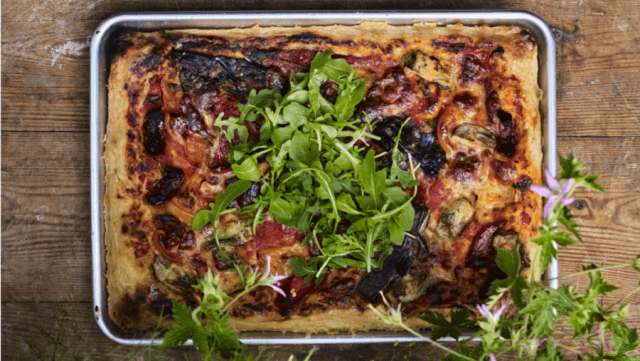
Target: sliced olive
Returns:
[[455, 216], [173, 276], [476, 134]]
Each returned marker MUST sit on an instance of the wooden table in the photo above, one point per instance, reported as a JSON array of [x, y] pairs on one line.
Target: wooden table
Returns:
[[46, 243]]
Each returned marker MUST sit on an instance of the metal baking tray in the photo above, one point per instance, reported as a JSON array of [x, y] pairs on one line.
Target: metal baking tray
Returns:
[[105, 38]]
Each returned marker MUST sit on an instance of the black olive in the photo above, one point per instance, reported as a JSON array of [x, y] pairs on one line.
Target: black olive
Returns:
[[166, 187]]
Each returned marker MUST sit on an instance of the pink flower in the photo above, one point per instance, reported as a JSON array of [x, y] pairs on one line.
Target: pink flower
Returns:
[[486, 313], [272, 281], [491, 357], [554, 192]]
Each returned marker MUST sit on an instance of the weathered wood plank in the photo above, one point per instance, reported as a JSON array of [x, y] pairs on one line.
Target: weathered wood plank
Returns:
[[598, 78]]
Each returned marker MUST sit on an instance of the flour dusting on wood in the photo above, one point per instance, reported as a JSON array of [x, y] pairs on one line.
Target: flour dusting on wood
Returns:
[[69, 48]]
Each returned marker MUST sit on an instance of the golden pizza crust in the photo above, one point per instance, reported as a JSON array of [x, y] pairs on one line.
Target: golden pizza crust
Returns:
[[132, 285]]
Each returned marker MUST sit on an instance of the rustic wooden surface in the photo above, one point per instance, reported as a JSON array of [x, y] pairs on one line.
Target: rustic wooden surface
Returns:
[[45, 154]]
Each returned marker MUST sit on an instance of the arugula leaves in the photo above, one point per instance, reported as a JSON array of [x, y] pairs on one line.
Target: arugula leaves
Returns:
[[222, 201], [319, 175]]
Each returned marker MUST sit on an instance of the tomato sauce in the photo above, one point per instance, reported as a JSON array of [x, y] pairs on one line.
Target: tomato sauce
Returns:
[[271, 234]]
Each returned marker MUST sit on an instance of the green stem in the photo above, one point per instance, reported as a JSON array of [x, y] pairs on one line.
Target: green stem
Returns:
[[437, 344], [624, 298], [244, 292], [591, 271]]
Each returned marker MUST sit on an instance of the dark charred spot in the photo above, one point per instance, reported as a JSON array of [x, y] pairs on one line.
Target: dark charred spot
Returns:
[[372, 283], [458, 47], [329, 90], [505, 118], [154, 140], [506, 138], [166, 187], [162, 305], [132, 119], [524, 184], [497, 51], [248, 197], [171, 229], [153, 60], [256, 308], [201, 72]]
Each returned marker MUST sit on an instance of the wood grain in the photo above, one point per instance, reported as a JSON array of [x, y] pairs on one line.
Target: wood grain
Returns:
[[45, 152]]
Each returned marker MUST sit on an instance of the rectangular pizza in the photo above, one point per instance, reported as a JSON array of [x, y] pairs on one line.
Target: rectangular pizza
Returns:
[[375, 161]]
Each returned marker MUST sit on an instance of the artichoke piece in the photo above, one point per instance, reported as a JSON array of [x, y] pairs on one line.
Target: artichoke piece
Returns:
[[475, 134], [173, 276], [509, 240], [455, 216], [411, 287], [506, 240], [428, 68]]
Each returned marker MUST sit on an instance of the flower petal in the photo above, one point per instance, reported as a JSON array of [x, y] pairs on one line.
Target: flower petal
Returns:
[[498, 313], [491, 357], [279, 290], [551, 181], [545, 192], [567, 201], [567, 186], [548, 207]]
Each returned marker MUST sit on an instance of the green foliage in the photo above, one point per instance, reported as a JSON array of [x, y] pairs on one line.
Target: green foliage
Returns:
[[526, 332], [319, 175]]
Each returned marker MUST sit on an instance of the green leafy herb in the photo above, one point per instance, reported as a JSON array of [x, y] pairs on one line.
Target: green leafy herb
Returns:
[[459, 321], [319, 176]]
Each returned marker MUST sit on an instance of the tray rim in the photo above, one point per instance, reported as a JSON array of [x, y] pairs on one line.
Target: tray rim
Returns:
[[159, 21]]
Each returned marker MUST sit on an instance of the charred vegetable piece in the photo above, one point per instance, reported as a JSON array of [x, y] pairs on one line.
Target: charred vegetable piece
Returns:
[[411, 287], [475, 134], [397, 264], [372, 283], [248, 198], [228, 245], [481, 252], [166, 187], [428, 68], [508, 240], [455, 216], [421, 220], [173, 276], [154, 141], [506, 138], [235, 76], [423, 147]]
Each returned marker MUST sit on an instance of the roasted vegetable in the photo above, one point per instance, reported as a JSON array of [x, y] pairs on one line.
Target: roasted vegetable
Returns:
[[166, 187], [423, 147], [456, 213], [174, 277], [475, 134], [238, 77]]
